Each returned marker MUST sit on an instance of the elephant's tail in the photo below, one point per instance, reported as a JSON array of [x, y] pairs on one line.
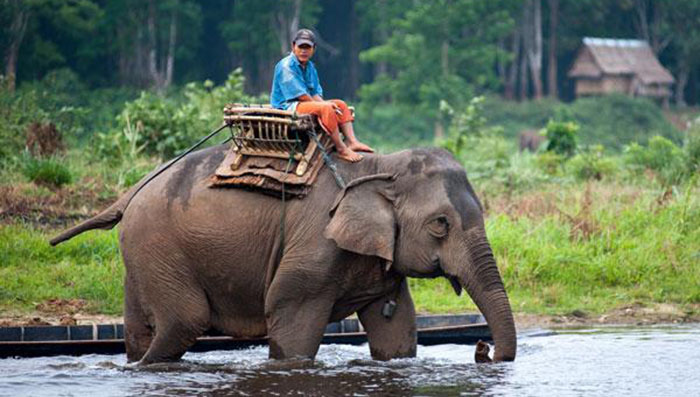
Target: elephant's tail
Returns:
[[107, 219]]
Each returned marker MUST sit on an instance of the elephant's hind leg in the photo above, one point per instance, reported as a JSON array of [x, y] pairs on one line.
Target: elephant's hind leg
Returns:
[[177, 325], [138, 333]]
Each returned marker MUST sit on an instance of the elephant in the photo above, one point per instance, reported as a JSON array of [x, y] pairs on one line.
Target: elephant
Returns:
[[248, 264], [530, 140]]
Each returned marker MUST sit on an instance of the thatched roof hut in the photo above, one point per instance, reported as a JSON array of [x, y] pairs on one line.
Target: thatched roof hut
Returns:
[[629, 66]]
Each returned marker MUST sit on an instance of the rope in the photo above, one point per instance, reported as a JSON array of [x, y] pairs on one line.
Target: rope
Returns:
[[175, 160], [283, 216], [327, 159]]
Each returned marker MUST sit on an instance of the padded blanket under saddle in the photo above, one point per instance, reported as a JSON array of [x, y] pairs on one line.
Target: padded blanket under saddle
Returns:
[[271, 151]]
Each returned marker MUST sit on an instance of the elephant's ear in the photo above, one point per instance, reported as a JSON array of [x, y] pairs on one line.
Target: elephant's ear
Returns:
[[362, 217]]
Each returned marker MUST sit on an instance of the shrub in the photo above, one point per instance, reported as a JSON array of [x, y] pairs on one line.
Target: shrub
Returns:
[[470, 122], [167, 126], [691, 147], [611, 120], [662, 156], [561, 137], [45, 171], [550, 162], [591, 164]]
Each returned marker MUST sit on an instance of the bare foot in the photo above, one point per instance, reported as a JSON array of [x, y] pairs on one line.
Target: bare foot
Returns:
[[349, 155], [358, 146]]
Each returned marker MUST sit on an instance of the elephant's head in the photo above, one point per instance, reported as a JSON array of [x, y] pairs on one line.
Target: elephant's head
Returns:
[[420, 215]]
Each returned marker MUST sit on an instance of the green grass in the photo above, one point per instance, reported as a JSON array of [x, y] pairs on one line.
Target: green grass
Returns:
[[87, 267]]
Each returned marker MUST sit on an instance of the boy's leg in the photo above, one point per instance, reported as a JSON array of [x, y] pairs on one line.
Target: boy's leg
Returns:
[[325, 111], [346, 127]]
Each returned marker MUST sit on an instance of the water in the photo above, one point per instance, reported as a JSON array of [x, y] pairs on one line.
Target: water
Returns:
[[639, 361]]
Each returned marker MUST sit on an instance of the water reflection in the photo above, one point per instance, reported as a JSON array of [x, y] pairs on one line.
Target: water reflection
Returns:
[[606, 361]]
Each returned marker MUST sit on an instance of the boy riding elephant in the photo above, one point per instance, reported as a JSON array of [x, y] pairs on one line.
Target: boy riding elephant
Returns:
[[296, 87]]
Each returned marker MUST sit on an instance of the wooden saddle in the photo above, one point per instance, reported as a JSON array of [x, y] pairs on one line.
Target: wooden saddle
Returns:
[[273, 151]]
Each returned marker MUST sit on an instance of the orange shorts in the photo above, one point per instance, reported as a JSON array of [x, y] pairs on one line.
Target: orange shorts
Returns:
[[330, 120]]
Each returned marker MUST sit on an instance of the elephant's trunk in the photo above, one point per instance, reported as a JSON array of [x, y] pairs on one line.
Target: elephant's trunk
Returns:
[[481, 279]]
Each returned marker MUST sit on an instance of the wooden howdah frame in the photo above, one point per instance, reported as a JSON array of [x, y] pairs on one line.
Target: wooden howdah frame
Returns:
[[271, 150]]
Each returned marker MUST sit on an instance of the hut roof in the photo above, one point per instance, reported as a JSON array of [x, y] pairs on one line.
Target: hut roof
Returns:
[[613, 56]]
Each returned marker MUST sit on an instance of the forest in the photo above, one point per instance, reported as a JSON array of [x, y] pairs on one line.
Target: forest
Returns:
[[604, 214]]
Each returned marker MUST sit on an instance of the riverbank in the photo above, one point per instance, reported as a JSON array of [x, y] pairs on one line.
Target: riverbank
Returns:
[[65, 314]]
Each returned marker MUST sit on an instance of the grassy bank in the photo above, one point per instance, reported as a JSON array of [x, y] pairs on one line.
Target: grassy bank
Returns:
[[589, 247]]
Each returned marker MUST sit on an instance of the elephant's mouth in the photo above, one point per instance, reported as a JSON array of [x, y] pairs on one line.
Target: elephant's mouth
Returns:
[[440, 272]]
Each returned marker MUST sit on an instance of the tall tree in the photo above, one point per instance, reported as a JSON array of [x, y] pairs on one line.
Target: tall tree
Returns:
[[147, 38], [650, 23], [686, 43], [552, 50], [258, 32], [15, 15], [463, 34], [49, 28], [532, 43]]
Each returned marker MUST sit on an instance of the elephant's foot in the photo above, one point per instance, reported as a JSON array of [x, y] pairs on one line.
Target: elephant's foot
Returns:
[[170, 345], [288, 364]]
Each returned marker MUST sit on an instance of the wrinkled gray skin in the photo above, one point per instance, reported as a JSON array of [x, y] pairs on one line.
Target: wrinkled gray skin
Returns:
[[199, 258]]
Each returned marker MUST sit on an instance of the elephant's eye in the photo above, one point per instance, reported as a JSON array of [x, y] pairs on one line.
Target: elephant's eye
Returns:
[[439, 226]]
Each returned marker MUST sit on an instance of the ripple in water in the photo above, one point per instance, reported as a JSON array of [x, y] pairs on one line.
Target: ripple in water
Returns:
[[601, 361]]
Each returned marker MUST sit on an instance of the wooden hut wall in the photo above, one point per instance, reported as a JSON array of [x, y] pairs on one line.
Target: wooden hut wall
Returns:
[[588, 87], [617, 83]]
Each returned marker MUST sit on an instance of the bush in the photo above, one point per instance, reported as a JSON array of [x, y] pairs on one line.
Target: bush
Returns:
[[662, 156], [550, 162], [470, 122], [561, 137], [612, 120], [691, 147], [166, 126], [617, 120], [591, 164], [45, 171]]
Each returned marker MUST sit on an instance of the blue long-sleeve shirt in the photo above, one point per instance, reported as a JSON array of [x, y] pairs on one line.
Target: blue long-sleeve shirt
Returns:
[[292, 81]]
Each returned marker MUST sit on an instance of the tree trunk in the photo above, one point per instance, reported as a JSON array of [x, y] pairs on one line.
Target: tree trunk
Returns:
[[512, 77], [152, 45], [287, 24], [526, 43], [17, 30], [445, 58], [382, 35], [649, 15], [171, 49], [681, 82], [354, 64], [534, 53], [552, 62], [161, 63]]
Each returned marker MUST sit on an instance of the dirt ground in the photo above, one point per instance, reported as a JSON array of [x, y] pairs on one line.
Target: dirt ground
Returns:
[[68, 312]]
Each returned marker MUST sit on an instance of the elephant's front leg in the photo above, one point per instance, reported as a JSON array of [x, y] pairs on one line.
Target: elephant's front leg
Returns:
[[393, 337], [297, 315]]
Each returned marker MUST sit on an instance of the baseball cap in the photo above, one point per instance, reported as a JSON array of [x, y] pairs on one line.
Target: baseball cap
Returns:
[[305, 36]]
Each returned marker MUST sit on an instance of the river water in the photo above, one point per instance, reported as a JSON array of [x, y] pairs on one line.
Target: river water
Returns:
[[606, 361]]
